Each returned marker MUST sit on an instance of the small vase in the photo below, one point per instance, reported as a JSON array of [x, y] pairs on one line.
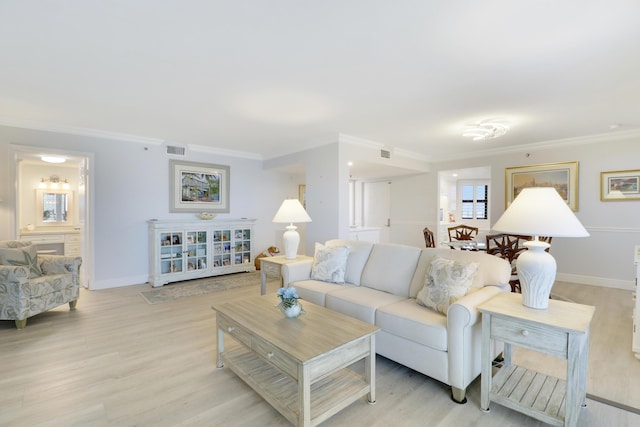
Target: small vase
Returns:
[[292, 311]]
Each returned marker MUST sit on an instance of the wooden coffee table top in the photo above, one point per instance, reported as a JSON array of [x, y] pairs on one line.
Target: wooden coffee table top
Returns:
[[311, 335]]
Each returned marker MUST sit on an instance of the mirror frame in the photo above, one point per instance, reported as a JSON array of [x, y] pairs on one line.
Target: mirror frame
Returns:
[[40, 192]]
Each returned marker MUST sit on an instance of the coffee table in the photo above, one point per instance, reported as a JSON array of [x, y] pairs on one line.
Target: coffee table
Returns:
[[300, 366]]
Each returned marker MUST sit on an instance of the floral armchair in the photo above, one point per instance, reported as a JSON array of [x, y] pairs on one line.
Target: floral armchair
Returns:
[[31, 283]]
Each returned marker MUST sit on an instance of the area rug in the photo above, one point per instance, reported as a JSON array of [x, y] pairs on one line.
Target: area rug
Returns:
[[190, 288]]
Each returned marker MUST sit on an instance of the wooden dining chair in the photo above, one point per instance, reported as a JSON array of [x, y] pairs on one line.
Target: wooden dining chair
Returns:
[[509, 247], [428, 238]]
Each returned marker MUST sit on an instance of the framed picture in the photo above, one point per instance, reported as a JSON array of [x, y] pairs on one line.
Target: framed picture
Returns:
[[620, 185], [302, 195], [198, 187], [561, 176]]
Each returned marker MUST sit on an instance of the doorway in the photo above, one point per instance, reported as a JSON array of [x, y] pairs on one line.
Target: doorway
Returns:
[[38, 183]]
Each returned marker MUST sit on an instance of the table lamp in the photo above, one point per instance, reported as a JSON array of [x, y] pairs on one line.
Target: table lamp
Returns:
[[538, 211], [291, 211]]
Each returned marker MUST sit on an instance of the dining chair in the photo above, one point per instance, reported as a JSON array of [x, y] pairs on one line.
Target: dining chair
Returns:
[[462, 232], [429, 240], [509, 247]]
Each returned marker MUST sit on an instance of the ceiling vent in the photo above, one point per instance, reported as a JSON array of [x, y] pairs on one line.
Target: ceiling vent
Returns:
[[176, 150], [385, 154]]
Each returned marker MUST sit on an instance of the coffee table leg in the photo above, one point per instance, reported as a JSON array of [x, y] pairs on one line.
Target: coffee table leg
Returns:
[[220, 346], [304, 396], [263, 275], [370, 370]]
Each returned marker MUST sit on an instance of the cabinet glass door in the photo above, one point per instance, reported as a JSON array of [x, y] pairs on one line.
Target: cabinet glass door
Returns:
[[196, 250], [242, 247], [221, 248], [171, 260]]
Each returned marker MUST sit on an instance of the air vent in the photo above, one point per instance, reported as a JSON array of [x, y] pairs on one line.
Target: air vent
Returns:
[[176, 150], [386, 154]]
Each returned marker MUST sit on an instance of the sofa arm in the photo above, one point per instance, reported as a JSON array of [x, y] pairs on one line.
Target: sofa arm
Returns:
[[295, 271], [464, 333], [16, 274], [59, 264]]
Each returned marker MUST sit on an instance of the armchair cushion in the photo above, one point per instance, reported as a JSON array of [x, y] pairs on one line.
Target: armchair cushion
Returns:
[[26, 256]]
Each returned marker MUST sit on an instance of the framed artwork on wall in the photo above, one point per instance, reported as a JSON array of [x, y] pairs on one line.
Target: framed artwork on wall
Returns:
[[198, 187], [302, 195], [561, 176], [620, 185]]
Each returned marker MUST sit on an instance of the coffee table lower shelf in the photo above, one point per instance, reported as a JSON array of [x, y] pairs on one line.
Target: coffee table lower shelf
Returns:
[[329, 395], [530, 392]]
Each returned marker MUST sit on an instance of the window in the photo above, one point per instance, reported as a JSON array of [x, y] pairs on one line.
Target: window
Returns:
[[475, 201]]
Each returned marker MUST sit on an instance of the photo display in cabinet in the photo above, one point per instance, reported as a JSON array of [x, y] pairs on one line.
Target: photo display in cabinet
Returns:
[[171, 252]]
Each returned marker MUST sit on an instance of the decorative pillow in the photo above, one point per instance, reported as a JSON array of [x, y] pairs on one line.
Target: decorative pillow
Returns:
[[329, 264], [446, 282], [26, 256]]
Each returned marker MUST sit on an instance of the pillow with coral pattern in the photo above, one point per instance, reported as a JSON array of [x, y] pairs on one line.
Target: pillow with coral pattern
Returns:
[[446, 282], [329, 264]]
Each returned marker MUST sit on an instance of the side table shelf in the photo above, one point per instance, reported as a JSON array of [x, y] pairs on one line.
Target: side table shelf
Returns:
[[562, 330]]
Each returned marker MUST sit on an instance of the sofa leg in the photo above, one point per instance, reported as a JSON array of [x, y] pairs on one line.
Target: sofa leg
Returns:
[[72, 304], [21, 324], [458, 395]]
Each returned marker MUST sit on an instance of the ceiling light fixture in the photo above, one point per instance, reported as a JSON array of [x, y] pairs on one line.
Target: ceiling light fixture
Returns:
[[53, 159], [486, 129]]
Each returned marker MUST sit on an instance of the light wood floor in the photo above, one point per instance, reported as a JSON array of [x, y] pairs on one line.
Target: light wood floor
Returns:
[[118, 361]]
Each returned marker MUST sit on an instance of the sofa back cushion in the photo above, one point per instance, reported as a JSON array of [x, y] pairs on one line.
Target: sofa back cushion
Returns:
[[390, 268], [358, 254], [492, 270]]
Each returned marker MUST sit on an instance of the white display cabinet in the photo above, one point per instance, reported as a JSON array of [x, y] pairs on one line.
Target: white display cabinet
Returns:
[[184, 250]]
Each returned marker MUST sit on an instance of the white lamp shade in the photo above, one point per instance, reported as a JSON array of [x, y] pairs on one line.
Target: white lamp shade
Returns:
[[291, 211], [540, 211]]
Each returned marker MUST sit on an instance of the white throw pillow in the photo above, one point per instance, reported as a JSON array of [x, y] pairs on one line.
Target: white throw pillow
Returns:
[[446, 282], [329, 264]]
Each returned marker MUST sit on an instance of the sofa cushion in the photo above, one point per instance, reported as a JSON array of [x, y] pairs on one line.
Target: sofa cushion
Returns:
[[359, 252], [409, 320], [329, 264], [390, 268], [359, 302], [446, 281], [315, 291], [26, 256]]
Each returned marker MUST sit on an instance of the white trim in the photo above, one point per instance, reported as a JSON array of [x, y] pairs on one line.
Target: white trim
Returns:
[[628, 285]]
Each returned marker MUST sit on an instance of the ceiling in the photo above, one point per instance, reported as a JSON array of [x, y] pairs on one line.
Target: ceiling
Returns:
[[273, 77]]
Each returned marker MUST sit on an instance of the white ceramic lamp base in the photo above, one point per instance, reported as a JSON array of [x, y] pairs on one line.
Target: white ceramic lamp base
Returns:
[[537, 273], [291, 240]]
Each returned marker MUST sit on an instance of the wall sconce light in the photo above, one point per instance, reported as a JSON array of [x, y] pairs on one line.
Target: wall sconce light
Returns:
[[54, 183]]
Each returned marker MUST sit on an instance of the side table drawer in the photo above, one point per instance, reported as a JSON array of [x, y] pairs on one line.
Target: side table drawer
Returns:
[[530, 336], [234, 330], [278, 358], [271, 270]]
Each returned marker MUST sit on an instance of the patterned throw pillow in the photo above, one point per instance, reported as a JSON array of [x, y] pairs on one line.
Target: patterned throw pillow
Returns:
[[26, 256], [446, 282], [329, 264]]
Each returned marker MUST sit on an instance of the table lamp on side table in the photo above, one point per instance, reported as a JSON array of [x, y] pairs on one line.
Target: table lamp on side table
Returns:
[[538, 211], [291, 211]]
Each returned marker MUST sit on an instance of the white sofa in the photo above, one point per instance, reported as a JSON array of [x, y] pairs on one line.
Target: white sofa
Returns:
[[381, 284]]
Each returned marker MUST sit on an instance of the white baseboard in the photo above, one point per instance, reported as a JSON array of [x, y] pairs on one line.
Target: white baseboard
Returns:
[[597, 281]]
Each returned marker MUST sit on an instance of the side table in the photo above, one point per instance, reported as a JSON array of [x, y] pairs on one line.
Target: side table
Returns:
[[272, 266], [562, 330]]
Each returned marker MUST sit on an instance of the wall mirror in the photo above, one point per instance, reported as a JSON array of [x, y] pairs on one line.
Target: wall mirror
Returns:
[[54, 208]]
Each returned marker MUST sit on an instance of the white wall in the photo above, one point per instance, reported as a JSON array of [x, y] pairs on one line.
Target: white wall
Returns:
[[131, 186]]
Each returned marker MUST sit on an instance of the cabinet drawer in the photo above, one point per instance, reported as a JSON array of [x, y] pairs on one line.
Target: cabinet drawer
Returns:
[[234, 330], [72, 238], [271, 270], [528, 335], [278, 358], [72, 249]]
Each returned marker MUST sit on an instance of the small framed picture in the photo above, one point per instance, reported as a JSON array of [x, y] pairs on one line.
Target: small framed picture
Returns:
[[620, 185]]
